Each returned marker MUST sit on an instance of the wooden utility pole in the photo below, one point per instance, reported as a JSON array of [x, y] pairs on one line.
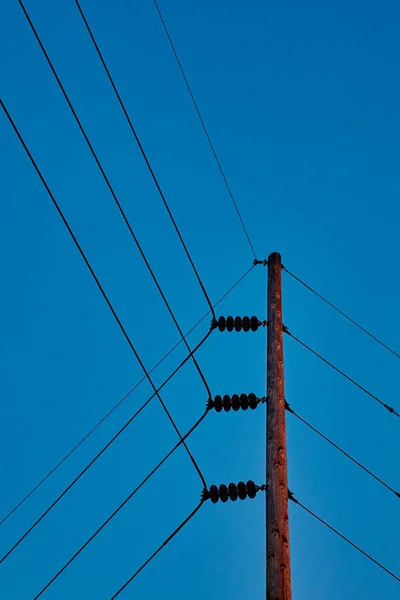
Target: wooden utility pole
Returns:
[[278, 552]]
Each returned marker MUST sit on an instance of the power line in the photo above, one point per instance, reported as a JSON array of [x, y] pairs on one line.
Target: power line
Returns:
[[100, 453], [110, 412], [341, 312], [291, 497], [83, 255], [203, 126], [116, 511], [145, 157], [388, 408], [94, 154], [177, 530], [121, 210], [378, 479], [100, 287]]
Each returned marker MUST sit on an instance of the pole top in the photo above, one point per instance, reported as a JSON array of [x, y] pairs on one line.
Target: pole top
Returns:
[[274, 259]]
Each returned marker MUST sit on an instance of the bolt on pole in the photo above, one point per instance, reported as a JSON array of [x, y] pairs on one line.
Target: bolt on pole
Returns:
[[278, 551]]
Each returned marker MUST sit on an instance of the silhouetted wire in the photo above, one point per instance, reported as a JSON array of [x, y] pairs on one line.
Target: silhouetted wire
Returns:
[[82, 253], [388, 408], [100, 166], [310, 512], [289, 409], [340, 312], [110, 412], [177, 530], [78, 477], [121, 210], [116, 511], [203, 126]]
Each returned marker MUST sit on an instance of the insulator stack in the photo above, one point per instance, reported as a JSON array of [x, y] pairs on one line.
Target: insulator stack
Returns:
[[232, 491], [234, 402], [237, 323]]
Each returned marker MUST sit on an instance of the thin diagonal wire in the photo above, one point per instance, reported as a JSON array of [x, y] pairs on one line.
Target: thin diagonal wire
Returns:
[[177, 530], [388, 408], [204, 127], [380, 565], [116, 511], [110, 412], [83, 255], [91, 463], [99, 163], [121, 210], [341, 312], [378, 479]]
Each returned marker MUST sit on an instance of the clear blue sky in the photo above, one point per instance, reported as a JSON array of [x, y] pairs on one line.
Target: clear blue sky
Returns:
[[301, 100]]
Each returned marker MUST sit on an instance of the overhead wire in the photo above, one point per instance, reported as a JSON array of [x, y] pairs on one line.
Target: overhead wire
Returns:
[[117, 202], [181, 441], [349, 456], [117, 510], [388, 408], [346, 539], [173, 534], [105, 296], [338, 310], [98, 455], [112, 410], [196, 106]]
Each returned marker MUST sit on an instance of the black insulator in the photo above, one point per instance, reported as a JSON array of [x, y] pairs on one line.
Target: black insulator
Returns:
[[221, 323], [235, 401], [233, 492], [242, 492], [252, 401], [223, 492], [251, 489], [254, 323], [218, 403], [226, 402], [214, 494], [238, 323], [229, 323], [246, 323], [244, 401]]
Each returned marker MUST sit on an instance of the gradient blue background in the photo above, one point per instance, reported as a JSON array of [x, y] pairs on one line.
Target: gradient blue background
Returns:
[[302, 102]]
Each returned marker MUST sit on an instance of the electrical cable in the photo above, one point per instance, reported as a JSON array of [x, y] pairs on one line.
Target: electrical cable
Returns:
[[110, 412], [204, 127], [100, 453], [121, 210], [310, 512], [116, 511], [90, 268], [341, 312], [378, 479], [100, 287], [388, 408], [177, 530], [94, 154]]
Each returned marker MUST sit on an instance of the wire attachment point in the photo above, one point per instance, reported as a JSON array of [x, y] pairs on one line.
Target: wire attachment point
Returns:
[[231, 492], [235, 402], [238, 323], [260, 262], [287, 407]]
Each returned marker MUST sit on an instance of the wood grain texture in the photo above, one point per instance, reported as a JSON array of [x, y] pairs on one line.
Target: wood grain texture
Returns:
[[278, 552]]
